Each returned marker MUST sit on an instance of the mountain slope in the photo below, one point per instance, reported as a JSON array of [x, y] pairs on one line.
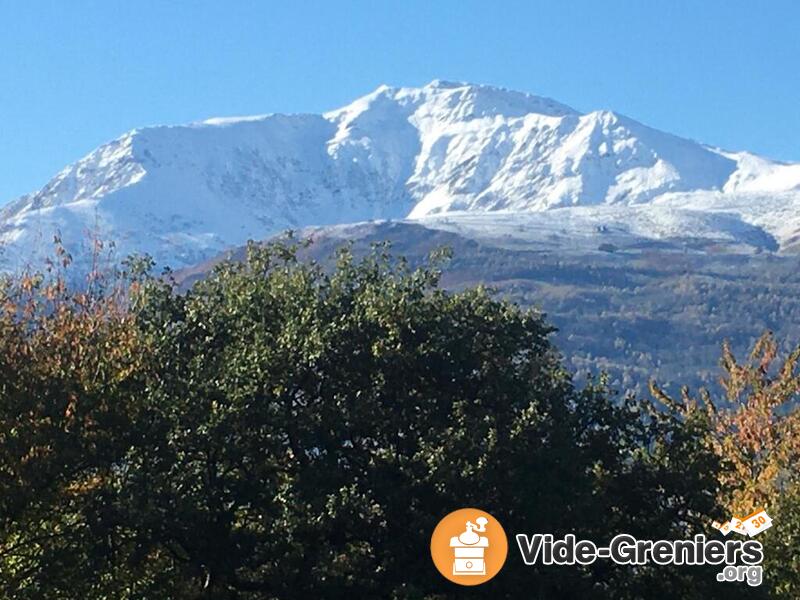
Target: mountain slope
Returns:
[[647, 309], [185, 193]]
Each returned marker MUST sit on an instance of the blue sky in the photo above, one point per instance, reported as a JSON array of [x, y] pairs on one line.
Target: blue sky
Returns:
[[76, 74]]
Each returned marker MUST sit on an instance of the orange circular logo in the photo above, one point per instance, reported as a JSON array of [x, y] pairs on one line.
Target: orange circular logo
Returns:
[[469, 546]]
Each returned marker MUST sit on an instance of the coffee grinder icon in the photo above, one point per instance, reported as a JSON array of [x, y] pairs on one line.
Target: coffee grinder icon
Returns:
[[469, 549]]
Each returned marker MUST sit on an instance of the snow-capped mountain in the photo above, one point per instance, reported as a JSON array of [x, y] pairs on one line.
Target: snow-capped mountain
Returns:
[[184, 193]]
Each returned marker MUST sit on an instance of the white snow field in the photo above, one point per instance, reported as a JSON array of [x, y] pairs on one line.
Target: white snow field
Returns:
[[483, 161]]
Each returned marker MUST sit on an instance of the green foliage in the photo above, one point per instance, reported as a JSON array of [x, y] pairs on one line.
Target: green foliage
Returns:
[[782, 542], [286, 431]]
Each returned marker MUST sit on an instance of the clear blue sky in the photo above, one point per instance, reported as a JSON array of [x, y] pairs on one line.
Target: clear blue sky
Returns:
[[76, 74]]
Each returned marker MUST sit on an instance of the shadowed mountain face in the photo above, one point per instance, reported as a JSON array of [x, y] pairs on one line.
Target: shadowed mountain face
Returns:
[[185, 193]]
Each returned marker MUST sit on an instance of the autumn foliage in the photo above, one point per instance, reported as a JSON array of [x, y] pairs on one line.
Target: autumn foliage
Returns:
[[754, 428]]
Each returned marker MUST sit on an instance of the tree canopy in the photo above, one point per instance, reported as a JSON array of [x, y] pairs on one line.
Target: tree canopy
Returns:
[[283, 430]]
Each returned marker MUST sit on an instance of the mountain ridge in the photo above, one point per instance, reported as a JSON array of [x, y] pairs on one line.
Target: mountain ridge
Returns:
[[184, 193]]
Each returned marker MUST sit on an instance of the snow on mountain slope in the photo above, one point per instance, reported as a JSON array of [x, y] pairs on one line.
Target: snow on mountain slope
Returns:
[[584, 229], [184, 193]]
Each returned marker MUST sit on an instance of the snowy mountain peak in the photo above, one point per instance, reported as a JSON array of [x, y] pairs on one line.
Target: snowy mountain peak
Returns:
[[443, 83], [183, 193], [451, 101]]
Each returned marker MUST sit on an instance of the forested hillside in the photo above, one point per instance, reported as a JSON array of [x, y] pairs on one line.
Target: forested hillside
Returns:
[[636, 312]]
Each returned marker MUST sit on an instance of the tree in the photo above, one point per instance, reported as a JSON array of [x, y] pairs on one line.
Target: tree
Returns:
[[755, 432], [70, 389], [283, 431]]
